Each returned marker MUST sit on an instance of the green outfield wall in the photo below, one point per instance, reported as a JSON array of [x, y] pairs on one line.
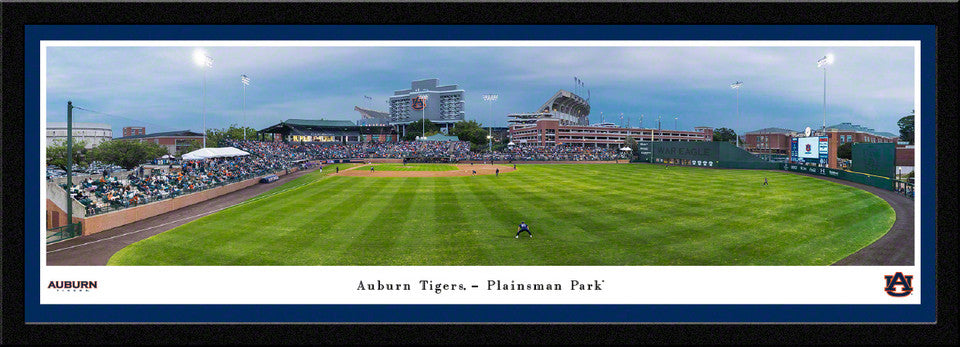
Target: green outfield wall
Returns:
[[875, 157], [858, 177]]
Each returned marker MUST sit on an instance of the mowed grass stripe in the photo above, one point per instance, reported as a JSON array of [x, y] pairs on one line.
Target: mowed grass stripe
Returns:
[[221, 238], [376, 236], [572, 243], [502, 217], [463, 242], [580, 215]]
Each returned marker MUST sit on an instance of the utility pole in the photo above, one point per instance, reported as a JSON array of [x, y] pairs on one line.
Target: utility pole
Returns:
[[69, 167]]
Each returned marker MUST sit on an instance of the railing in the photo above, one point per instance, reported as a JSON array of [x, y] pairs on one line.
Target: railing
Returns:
[[93, 210], [61, 233], [903, 188]]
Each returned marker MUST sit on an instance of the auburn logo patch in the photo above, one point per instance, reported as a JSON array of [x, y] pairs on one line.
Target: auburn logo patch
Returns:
[[905, 284]]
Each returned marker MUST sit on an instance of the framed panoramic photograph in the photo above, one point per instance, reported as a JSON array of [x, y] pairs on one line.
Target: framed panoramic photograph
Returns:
[[548, 174]]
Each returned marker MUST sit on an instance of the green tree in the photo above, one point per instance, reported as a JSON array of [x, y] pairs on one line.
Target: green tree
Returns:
[[57, 154], [725, 134], [631, 143], [473, 132], [413, 129], [218, 137], [127, 154], [906, 128], [194, 145], [845, 150]]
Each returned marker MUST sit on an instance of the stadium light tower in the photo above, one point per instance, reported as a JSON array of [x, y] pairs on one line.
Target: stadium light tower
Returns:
[[737, 87], [245, 81], [490, 98], [822, 63], [204, 61]]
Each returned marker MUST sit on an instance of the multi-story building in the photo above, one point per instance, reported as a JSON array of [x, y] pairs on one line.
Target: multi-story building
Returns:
[[564, 120], [444, 104], [174, 141], [550, 132], [775, 141], [567, 107], [130, 131], [849, 132], [91, 133]]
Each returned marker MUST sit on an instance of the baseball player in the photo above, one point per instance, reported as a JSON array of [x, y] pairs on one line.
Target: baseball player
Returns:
[[521, 228]]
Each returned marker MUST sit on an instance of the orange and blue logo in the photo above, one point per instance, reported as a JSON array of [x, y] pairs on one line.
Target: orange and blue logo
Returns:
[[417, 103], [898, 280]]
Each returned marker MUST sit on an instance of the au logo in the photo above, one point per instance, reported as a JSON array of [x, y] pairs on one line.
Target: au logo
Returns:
[[904, 282], [417, 103]]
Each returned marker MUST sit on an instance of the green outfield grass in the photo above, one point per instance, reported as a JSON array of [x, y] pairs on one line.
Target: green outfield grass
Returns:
[[414, 167], [626, 214]]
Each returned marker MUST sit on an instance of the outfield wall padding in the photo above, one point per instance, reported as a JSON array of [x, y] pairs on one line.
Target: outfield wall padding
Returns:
[[700, 150], [752, 165], [874, 158], [862, 178]]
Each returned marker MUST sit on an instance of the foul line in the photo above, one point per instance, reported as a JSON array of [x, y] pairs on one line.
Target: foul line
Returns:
[[136, 231]]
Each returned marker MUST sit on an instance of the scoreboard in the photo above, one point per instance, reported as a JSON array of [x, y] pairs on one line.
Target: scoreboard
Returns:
[[810, 150]]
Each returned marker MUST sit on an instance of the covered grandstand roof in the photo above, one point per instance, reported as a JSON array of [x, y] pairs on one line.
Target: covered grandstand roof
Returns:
[[566, 102], [847, 126], [772, 131], [314, 127], [319, 122], [179, 133], [366, 113], [213, 152], [568, 107]]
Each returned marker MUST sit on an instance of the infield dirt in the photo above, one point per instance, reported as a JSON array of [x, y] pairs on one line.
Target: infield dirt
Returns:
[[462, 170]]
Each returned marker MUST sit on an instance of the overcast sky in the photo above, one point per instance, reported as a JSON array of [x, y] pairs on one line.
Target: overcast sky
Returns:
[[160, 87]]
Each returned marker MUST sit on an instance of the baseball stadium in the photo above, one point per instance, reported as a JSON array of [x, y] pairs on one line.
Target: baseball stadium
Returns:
[[317, 192]]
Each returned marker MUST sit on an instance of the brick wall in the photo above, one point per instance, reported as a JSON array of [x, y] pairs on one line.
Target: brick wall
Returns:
[[95, 224]]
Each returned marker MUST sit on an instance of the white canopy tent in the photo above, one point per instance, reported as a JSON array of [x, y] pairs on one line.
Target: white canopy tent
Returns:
[[206, 153], [626, 149]]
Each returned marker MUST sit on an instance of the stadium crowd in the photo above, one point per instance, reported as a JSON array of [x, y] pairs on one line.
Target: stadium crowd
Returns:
[[109, 192], [138, 187], [550, 153], [315, 150]]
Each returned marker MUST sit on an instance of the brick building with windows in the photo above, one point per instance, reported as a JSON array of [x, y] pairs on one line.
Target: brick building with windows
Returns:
[[849, 132], [549, 132], [775, 141], [130, 131], [173, 140]]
